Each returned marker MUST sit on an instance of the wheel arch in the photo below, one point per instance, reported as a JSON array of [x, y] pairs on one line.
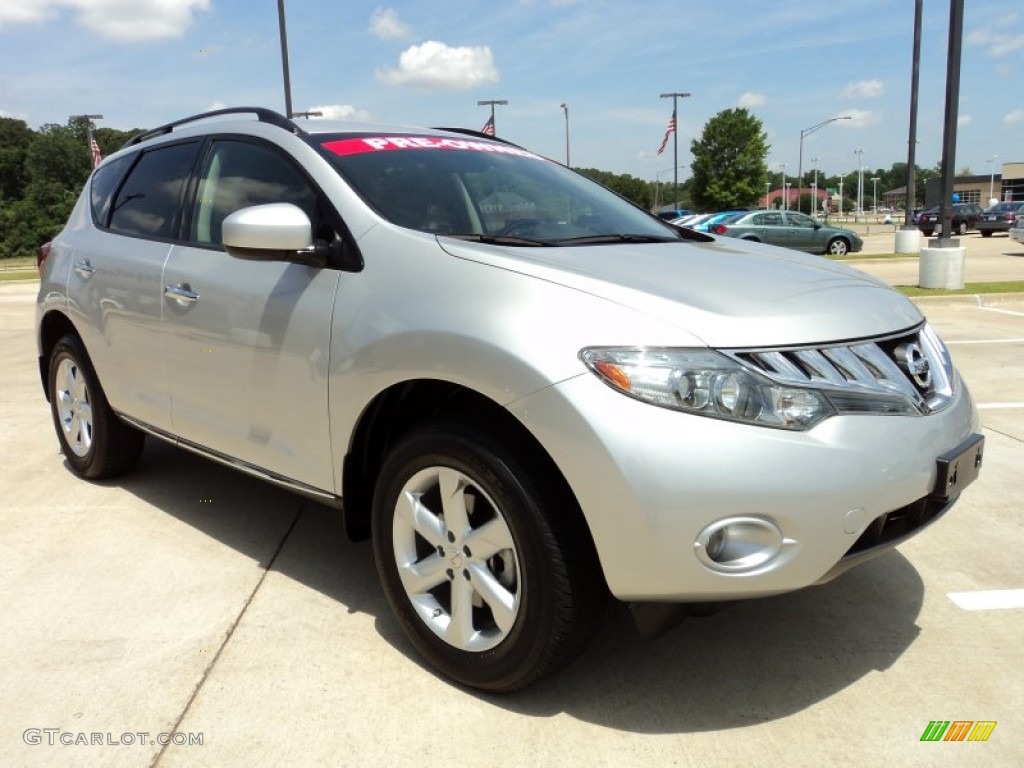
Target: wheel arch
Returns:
[[408, 405], [52, 328]]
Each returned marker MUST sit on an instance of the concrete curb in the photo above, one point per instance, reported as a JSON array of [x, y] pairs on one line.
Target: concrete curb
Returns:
[[969, 299]]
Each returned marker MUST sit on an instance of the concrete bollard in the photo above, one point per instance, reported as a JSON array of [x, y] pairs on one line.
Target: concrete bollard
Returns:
[[941, 268], [908, 240]]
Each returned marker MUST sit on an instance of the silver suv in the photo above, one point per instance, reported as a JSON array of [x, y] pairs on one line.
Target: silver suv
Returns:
[[527, 391]]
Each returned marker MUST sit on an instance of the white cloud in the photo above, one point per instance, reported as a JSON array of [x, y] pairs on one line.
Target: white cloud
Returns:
[[386, 25], [751, 99], [436, 65], [124, 20], [964, 119], [865, 89], [998, 43], [1012, 118], [215, 105], [340, 112], [20, 12], [860, 118]]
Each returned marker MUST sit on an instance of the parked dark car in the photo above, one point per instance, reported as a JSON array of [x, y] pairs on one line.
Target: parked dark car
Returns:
[[790, 229], [1000, 217], [965, 216]]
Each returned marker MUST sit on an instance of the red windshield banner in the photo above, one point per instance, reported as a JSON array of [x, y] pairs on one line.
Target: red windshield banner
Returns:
[[390, 143]]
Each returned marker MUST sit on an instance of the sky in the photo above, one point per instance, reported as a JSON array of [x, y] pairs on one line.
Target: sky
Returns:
[[792, 63]]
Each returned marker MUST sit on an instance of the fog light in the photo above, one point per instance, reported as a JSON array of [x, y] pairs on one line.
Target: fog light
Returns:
[[738, 544]]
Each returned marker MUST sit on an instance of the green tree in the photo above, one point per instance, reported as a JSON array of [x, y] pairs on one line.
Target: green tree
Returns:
[[729, 161], [630, 187]]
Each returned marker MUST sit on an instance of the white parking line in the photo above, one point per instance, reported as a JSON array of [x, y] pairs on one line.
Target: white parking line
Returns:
[[982, 406], [988, 600], [1003, 311], [986, 341]]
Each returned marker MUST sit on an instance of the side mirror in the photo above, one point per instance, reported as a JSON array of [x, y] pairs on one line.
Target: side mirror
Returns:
[[272, 232]]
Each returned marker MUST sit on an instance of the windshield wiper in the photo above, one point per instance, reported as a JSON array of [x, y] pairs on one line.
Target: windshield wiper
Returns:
[[615, 238], [502, 240]]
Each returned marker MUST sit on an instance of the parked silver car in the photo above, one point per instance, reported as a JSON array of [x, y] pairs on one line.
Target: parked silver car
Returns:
[[528, 391]]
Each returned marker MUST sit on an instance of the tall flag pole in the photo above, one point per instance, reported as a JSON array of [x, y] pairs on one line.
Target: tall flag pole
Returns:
[[94, 148], [489, 127], [675, 96]]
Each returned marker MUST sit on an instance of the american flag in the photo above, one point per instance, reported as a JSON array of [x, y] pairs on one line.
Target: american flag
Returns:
[[97, 158], [668, 131], [488, 126]]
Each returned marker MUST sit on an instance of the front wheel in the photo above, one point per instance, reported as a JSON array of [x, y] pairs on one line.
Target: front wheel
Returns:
[[481, 558], [838, 247], [961, 228], [95, 442]]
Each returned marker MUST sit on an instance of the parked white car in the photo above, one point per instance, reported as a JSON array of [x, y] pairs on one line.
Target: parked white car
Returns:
[[528, 391]]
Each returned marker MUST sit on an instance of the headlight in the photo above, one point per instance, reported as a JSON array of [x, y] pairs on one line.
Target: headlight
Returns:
[[706, 383]]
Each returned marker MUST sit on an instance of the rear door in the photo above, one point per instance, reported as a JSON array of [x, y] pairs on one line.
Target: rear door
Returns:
[[115, 281], [248, 342]]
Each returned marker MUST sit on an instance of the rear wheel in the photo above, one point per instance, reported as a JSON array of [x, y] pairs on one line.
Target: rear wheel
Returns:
[[95, 442], [481, 558], [986, 233], [961, 228], [837, 246]]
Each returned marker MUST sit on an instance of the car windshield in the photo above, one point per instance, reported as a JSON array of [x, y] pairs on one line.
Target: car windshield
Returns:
[[484, 190]]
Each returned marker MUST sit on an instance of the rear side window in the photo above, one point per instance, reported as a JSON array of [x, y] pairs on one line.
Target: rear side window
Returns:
[[149, 200], [103, 186]]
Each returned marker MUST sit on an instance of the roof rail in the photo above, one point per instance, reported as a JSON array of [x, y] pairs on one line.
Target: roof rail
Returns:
[[262, 114], [476, 134]]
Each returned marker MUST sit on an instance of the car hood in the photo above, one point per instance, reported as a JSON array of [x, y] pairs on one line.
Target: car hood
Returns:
[[728, 293]]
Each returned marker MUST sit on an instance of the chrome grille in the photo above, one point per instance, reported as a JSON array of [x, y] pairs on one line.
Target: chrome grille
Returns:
[[879, 369]]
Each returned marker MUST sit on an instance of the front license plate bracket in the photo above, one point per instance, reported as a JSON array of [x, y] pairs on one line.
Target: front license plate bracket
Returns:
[[959, 467]]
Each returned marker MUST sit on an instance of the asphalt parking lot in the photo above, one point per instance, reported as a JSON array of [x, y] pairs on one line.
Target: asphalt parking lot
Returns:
[[188, 598]]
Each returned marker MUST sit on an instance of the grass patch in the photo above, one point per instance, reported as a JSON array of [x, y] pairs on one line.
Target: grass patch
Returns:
[[17, 262], [18, 274], [1007, 286]]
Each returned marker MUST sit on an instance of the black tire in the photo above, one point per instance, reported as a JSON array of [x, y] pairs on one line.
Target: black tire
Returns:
[[549, 571], [927, 232], [95, 442], [837, 246], [961, 228], [986, 233]]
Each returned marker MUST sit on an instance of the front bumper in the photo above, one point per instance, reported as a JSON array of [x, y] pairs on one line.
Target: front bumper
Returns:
[[650, 480]]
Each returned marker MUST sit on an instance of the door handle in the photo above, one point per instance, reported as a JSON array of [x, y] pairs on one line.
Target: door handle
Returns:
[[84, 269], [181, 293]]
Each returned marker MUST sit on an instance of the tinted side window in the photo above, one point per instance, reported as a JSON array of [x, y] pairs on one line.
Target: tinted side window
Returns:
[[238, 174], [148, 202], [103, 186]]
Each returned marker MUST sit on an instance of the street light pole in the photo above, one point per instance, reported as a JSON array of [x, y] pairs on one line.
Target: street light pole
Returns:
[[492, 102], [785, 202], [566, 108], [767, 194], [860, 182], [843, 176], [675, 96], [814, 189], [991, 176], [874, 194], [282, 27], [800, 167]]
